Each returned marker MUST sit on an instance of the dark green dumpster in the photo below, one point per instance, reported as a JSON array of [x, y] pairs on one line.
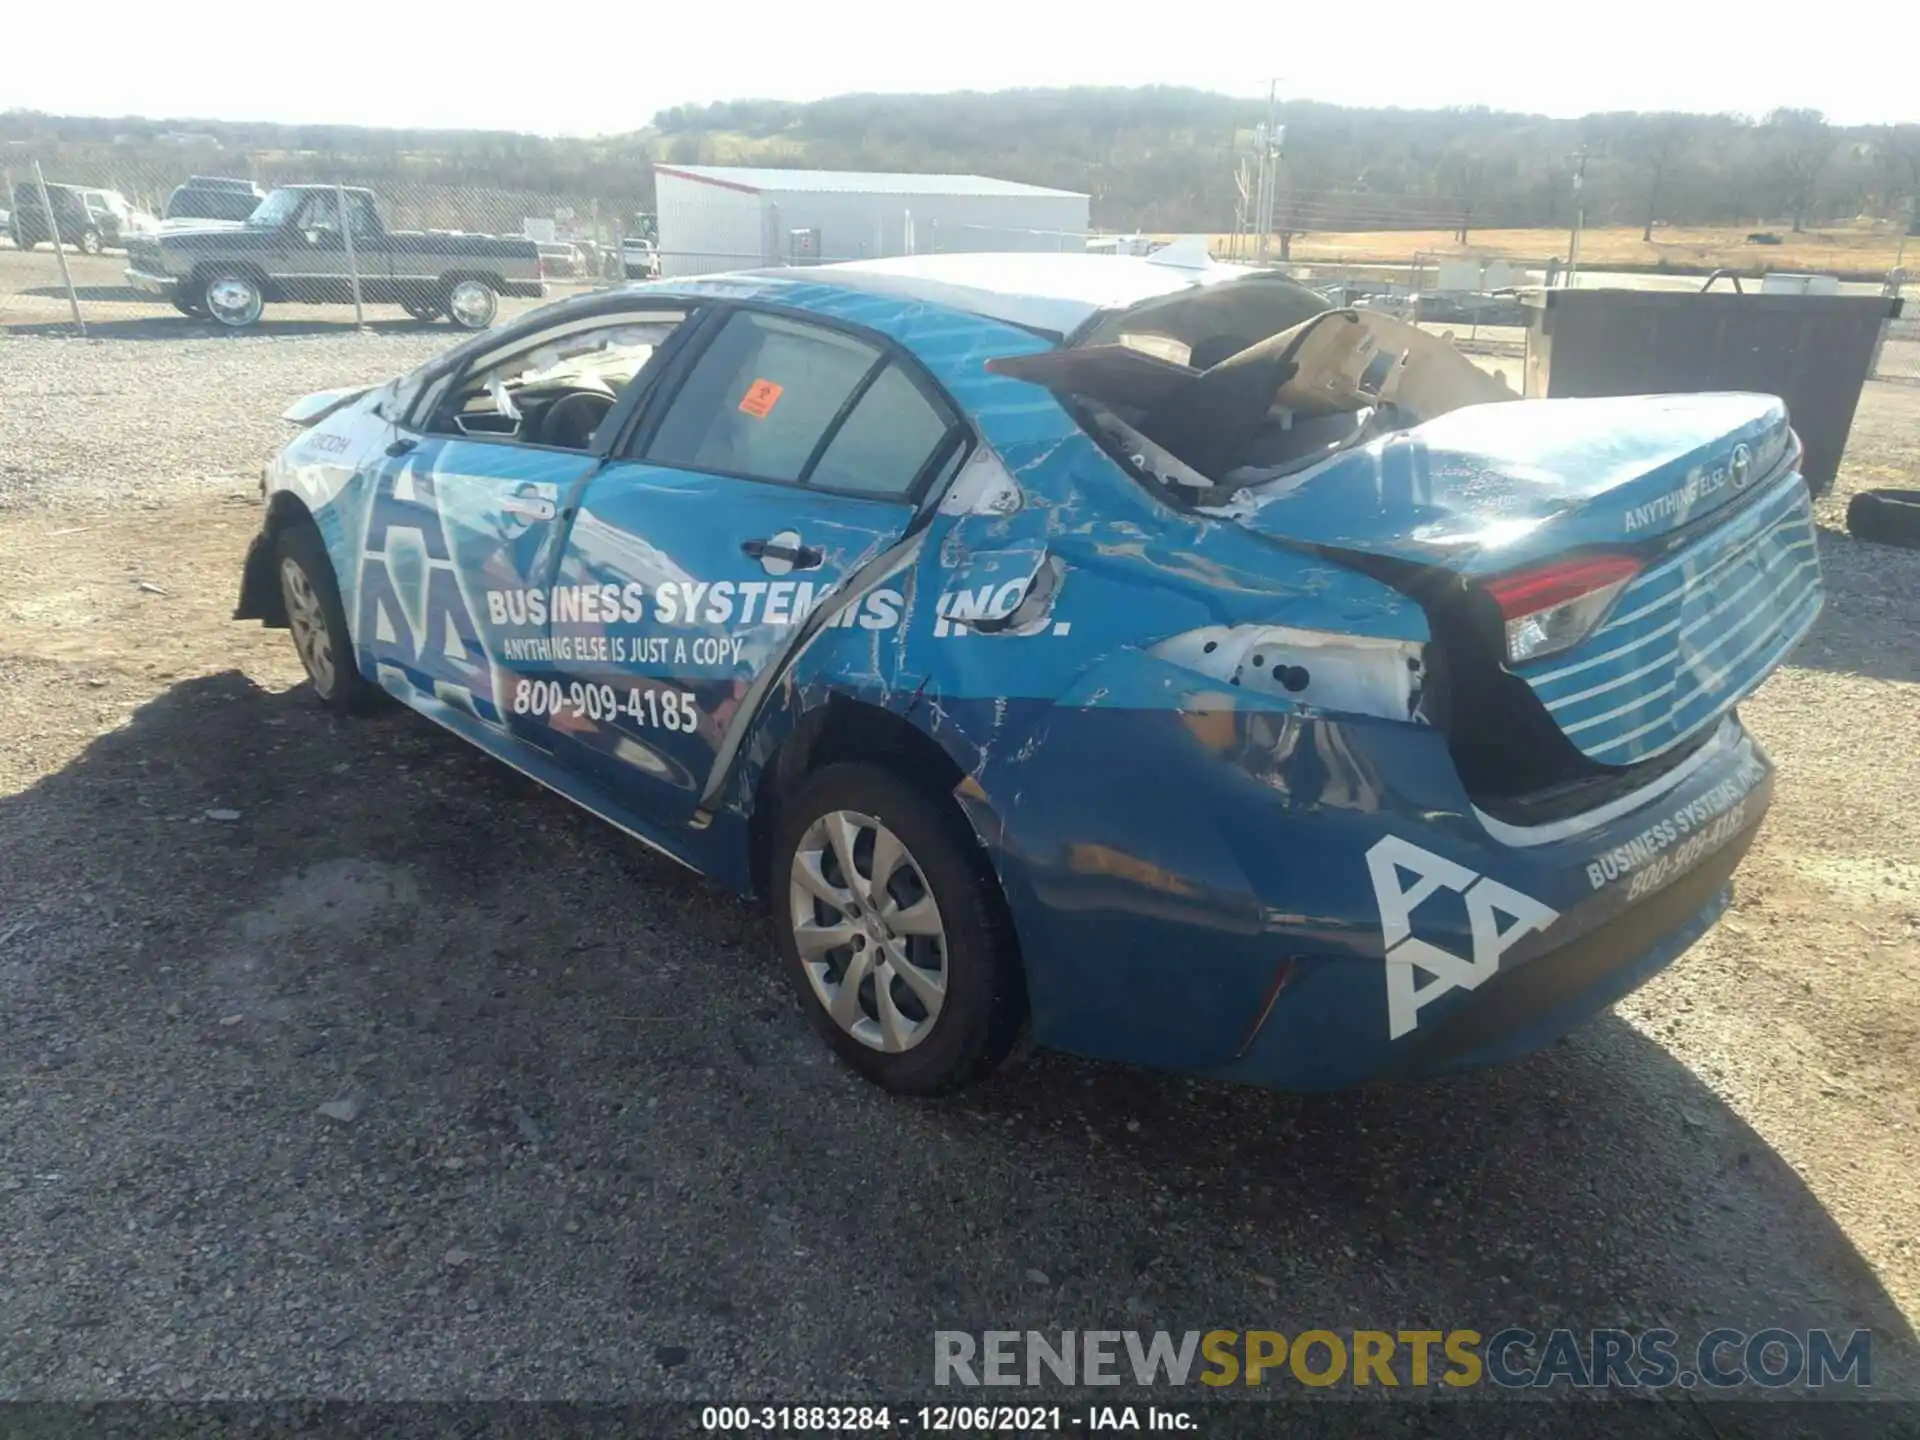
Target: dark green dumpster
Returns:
[[1813, 351]]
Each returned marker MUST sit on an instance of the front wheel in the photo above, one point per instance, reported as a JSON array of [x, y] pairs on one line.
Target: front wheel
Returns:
[[894, 931], [233, 298], [318, 622], [472, 304]]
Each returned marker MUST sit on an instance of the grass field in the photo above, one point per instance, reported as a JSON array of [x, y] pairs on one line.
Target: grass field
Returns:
[[1866, 249]]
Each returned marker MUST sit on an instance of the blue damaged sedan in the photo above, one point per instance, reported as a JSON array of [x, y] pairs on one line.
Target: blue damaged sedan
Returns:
[[1136, 654]]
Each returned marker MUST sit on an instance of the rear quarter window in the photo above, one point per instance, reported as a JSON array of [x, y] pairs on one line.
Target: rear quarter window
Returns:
[[886, 440]]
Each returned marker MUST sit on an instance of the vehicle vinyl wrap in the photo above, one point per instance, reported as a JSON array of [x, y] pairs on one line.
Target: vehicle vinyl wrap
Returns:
[[1200, 876]]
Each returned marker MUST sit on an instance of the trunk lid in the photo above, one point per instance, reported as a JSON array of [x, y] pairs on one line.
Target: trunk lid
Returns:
[[1701, 490], [1488, 488]]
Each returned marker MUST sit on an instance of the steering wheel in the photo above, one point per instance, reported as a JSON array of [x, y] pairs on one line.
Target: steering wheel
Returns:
[[572, 419]]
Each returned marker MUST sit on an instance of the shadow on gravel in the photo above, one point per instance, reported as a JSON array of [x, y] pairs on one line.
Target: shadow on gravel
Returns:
[[578, 1140], [1871, 623]]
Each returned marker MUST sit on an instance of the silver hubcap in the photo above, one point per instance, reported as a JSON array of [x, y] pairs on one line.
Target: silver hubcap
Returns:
[[308, 621], [233, 301], [868, 931], [472, 304]]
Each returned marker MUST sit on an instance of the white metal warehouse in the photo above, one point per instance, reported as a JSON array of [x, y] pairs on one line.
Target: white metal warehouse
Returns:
[[720, 217]]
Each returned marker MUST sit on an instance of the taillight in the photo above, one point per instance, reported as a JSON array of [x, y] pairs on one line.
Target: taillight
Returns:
[[1557, 606]]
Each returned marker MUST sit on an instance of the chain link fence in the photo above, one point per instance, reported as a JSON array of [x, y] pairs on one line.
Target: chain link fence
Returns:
[[84, 245]]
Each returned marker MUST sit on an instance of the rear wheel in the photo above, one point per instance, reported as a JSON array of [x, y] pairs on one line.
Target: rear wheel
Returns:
[[893, 929], [318, 623], [90, 241], [233, 298], [471, 304]]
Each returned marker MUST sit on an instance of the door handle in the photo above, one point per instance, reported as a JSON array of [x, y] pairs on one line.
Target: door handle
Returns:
[[801, 557], [530, 507]]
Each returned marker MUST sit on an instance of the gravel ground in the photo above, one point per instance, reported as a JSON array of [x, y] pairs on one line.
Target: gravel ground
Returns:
[[582, 1142]]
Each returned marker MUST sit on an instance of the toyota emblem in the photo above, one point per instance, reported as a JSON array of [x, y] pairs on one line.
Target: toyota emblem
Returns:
[[1741, 466]]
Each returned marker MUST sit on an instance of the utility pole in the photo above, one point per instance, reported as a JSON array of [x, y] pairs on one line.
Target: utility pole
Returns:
[[1579, 215], [1242, 208], [1267, 141], [1260, 146]]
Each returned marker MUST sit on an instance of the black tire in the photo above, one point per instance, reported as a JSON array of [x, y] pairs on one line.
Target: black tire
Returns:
[[342, 688], [90, 241], [1886, 517], [984, 1010]]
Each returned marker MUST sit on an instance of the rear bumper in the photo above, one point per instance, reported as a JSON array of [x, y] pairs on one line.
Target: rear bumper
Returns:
[[148, 283], [1522, 1009], [1311, 903]]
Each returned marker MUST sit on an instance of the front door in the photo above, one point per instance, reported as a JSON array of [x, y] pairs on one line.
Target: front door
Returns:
[[455, 522], [315, 267], [461, 533], [791, 455]]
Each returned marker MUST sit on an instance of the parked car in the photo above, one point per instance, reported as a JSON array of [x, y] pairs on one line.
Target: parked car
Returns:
[[639, 259], [88, 219], [1308, 711], [563, 258], [212, 197], [294, 248]]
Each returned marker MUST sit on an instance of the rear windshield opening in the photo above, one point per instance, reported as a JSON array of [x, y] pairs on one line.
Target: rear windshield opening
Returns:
[[1240, 384]]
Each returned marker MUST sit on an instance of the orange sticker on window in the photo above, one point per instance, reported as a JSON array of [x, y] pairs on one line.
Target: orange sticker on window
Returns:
[[761, 397]]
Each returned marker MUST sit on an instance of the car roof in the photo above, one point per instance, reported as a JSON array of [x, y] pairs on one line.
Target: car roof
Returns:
[[1039, 291]]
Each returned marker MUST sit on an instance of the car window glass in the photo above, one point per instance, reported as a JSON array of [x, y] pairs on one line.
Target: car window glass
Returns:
[[886, 441], [321, 212], [557, 388], [277, 208], [760, 398]]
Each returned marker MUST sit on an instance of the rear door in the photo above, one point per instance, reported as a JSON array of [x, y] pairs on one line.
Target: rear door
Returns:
[[789, 459]]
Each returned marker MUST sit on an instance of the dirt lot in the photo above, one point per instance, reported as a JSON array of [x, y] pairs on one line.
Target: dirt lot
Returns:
[[597, 1151]]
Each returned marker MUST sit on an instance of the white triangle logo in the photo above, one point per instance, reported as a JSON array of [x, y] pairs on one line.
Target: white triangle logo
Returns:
[[1409, 958]]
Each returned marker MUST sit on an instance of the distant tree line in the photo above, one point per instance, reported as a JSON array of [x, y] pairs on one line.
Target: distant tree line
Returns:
[[1155, 158]]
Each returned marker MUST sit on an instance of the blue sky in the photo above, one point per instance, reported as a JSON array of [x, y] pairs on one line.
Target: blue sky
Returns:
[[591, 69]]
